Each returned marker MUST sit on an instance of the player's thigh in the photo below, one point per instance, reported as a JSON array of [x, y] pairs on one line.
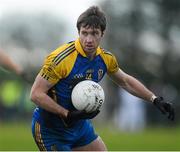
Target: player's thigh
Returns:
[[46, 139], [96, 145]]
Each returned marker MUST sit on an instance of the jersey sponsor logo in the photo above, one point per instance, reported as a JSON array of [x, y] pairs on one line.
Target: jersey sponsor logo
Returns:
[[78, 76]]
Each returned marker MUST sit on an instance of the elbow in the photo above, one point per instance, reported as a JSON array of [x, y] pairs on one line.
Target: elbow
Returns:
[[34, 96], [124, 83]]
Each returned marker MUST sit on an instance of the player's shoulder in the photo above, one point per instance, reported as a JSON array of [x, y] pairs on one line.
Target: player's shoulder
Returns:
[[110, 61], [61, 52], [106, 53], [64, 48], [107, 56]]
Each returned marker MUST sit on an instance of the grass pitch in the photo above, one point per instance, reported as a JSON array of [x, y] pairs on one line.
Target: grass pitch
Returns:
[[17, 137], [152, 139]]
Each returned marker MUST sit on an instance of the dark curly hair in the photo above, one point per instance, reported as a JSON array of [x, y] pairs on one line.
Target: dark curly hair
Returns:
[[92, 17]]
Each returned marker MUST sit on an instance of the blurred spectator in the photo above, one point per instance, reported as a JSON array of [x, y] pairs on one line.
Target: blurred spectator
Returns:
[[12, 93], [131, 112], [8, 63]]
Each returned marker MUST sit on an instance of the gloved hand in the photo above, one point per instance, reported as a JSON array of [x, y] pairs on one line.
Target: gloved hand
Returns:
[[74, 116], [164, 107]]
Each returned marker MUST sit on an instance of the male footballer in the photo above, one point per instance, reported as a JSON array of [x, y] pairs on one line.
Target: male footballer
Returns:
[[56, 124]]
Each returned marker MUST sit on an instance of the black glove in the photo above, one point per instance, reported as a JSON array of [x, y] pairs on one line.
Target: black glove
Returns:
[[74, 116], [164, 107]]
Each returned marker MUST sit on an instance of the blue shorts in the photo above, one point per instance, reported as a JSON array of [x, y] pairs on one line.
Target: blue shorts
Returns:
[[62, 139]]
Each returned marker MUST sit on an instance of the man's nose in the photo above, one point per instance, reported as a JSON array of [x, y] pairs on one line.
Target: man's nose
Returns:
[[89, 39]]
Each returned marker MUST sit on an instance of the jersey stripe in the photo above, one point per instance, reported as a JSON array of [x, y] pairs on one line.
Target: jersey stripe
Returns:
[[109, 53], [63, 52], [65, 55], [42, 75]]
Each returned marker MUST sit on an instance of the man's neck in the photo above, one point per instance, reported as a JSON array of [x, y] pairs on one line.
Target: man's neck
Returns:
[[90, 56]]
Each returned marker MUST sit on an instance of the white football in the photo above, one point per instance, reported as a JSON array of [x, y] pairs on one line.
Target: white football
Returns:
[[87, 95]]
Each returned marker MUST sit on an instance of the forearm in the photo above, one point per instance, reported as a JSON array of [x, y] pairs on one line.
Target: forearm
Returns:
[[136, 88], [47, 103]]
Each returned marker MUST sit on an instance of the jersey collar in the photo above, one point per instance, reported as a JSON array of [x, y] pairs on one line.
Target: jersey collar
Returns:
[[81, 51]]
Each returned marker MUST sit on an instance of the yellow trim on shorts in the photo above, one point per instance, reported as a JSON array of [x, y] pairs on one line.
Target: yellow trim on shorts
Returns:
[[38, 137]]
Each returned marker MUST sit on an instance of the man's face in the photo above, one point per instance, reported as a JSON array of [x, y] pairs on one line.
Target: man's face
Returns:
[[90, 38]]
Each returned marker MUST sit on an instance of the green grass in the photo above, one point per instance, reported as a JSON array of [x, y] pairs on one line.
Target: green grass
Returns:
[[152, 139], [17, 136]]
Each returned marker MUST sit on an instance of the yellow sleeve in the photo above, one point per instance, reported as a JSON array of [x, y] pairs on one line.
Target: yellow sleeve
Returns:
[[59, 63], [50, 71], [113, 65], [110, 61]]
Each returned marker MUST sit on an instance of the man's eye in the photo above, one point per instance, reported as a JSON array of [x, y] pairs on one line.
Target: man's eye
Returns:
[[84, 33], [95, 33]]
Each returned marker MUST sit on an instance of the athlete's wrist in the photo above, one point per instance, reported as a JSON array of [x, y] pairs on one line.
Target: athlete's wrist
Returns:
[[152, 98], [64, 113]]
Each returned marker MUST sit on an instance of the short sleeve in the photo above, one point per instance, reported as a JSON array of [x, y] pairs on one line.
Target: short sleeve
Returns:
[[110, 61], [50, 71], [113, 65]]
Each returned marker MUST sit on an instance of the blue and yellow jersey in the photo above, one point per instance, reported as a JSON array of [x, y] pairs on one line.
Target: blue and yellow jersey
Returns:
[[68, 65]]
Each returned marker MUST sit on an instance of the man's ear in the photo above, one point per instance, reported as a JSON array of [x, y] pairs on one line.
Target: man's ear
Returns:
[[102, 33]]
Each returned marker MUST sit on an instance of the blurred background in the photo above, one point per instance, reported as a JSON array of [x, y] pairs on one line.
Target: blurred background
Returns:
[[143, 34]]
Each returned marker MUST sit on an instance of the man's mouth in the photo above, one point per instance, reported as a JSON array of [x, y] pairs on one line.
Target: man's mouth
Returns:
[[89, 46]]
